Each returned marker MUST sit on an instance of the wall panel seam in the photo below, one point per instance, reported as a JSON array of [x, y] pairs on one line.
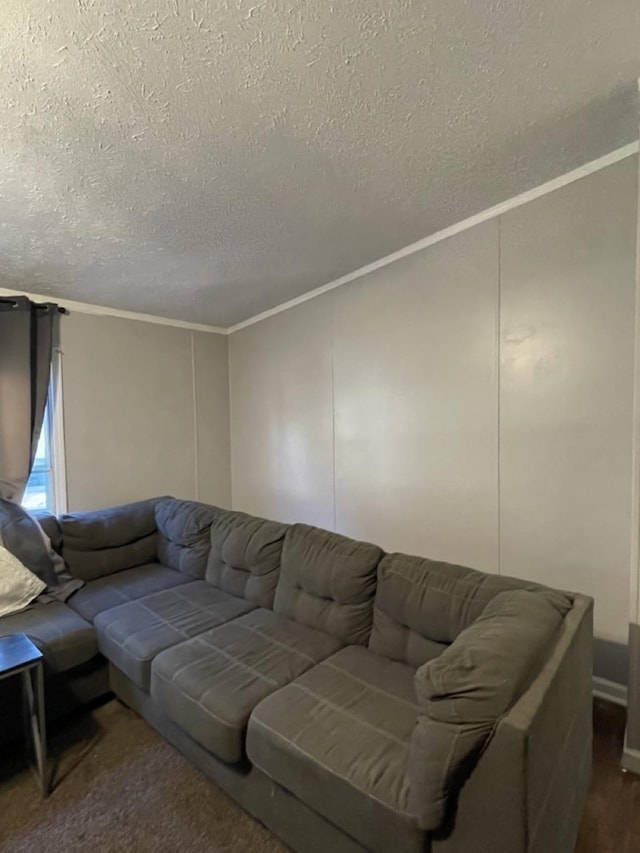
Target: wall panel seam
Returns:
[[634, 578], [333, 411], [196, 463], [632, 737], [499, 392], [230, 422]]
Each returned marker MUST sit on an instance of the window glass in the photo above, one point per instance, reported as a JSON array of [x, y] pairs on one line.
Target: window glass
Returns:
[[38, 494]]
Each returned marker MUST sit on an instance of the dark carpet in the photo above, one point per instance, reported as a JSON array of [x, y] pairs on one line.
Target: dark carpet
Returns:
[[611, 821], [119, 788]]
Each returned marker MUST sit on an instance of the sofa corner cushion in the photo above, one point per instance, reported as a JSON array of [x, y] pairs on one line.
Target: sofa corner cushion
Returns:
[[328, 581], [106, 541], [338, 737], [132, 634], [422, 605], [183, 543], [65, 639], [465, 691], [210, 684], [245, 556], [129, 585]]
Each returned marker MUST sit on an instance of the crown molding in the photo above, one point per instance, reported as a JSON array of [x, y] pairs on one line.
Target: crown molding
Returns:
[[104, 311], [490, 213]]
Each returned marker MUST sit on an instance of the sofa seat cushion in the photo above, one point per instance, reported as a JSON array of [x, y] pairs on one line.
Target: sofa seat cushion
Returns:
[[108, 592], [338, 739], [210, 685], [132, 634], [65, 639]]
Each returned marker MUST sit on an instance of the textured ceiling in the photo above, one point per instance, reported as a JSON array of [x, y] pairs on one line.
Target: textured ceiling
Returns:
[[208, 160]]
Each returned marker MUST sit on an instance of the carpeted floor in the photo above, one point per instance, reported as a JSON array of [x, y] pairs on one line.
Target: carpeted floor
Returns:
[[119, 788]]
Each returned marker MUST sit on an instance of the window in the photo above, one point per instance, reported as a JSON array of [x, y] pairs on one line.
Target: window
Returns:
[[40, 493], [46, 488]]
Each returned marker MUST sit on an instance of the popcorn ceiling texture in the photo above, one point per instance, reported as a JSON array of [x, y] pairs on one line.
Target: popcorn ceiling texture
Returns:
[[206, 161]]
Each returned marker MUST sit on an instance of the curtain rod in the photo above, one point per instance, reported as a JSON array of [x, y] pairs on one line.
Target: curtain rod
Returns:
[[11, 300]]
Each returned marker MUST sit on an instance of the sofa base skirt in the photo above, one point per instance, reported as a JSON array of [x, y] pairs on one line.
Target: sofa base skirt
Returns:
[[291, 820]]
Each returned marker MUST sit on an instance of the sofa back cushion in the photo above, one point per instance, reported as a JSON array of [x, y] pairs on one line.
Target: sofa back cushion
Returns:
[[464, 692], [245, 556], [105, 541], [184, 535], [422, 605], [328, 581]]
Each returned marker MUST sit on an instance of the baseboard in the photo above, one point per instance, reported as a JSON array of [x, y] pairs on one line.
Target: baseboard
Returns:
[[611, 660], [630, 758], [610, 691]]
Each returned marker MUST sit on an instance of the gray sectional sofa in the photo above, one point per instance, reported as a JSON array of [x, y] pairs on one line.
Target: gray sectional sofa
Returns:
[[351, 700]]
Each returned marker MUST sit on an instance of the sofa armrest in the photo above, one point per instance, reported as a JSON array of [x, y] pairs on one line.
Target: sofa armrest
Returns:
[[529, 786]]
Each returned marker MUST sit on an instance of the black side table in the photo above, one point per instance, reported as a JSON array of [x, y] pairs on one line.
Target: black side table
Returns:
[[19, 656]]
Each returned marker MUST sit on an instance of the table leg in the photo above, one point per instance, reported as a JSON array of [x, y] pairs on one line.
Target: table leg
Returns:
[[42, 730], [37, 721]]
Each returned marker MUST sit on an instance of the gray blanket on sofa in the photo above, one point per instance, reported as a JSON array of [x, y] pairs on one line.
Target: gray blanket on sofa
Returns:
[[21, 534]]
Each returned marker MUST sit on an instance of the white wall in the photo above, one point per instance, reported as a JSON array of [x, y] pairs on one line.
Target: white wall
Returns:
[[416, 415], [282, 416], [145, 410], [567, 331], [471, 402]]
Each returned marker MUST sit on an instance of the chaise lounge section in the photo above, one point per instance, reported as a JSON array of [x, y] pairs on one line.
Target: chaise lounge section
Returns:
[[349, 699]]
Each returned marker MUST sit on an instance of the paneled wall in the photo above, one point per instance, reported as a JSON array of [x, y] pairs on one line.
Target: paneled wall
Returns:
[[471, 402], [282, 416], [567, 332], [146, 412], [416, 411]]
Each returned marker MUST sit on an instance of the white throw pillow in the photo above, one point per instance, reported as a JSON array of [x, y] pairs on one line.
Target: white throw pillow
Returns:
[[18, 586]]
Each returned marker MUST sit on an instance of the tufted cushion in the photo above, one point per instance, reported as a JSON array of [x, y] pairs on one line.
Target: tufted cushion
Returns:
[[422, 605], [464, 692], [183, 543], [328, 581], [245, 556], [102, 542]]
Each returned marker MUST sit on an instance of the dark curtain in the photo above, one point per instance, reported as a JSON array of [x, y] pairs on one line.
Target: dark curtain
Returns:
[[27, 332]]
